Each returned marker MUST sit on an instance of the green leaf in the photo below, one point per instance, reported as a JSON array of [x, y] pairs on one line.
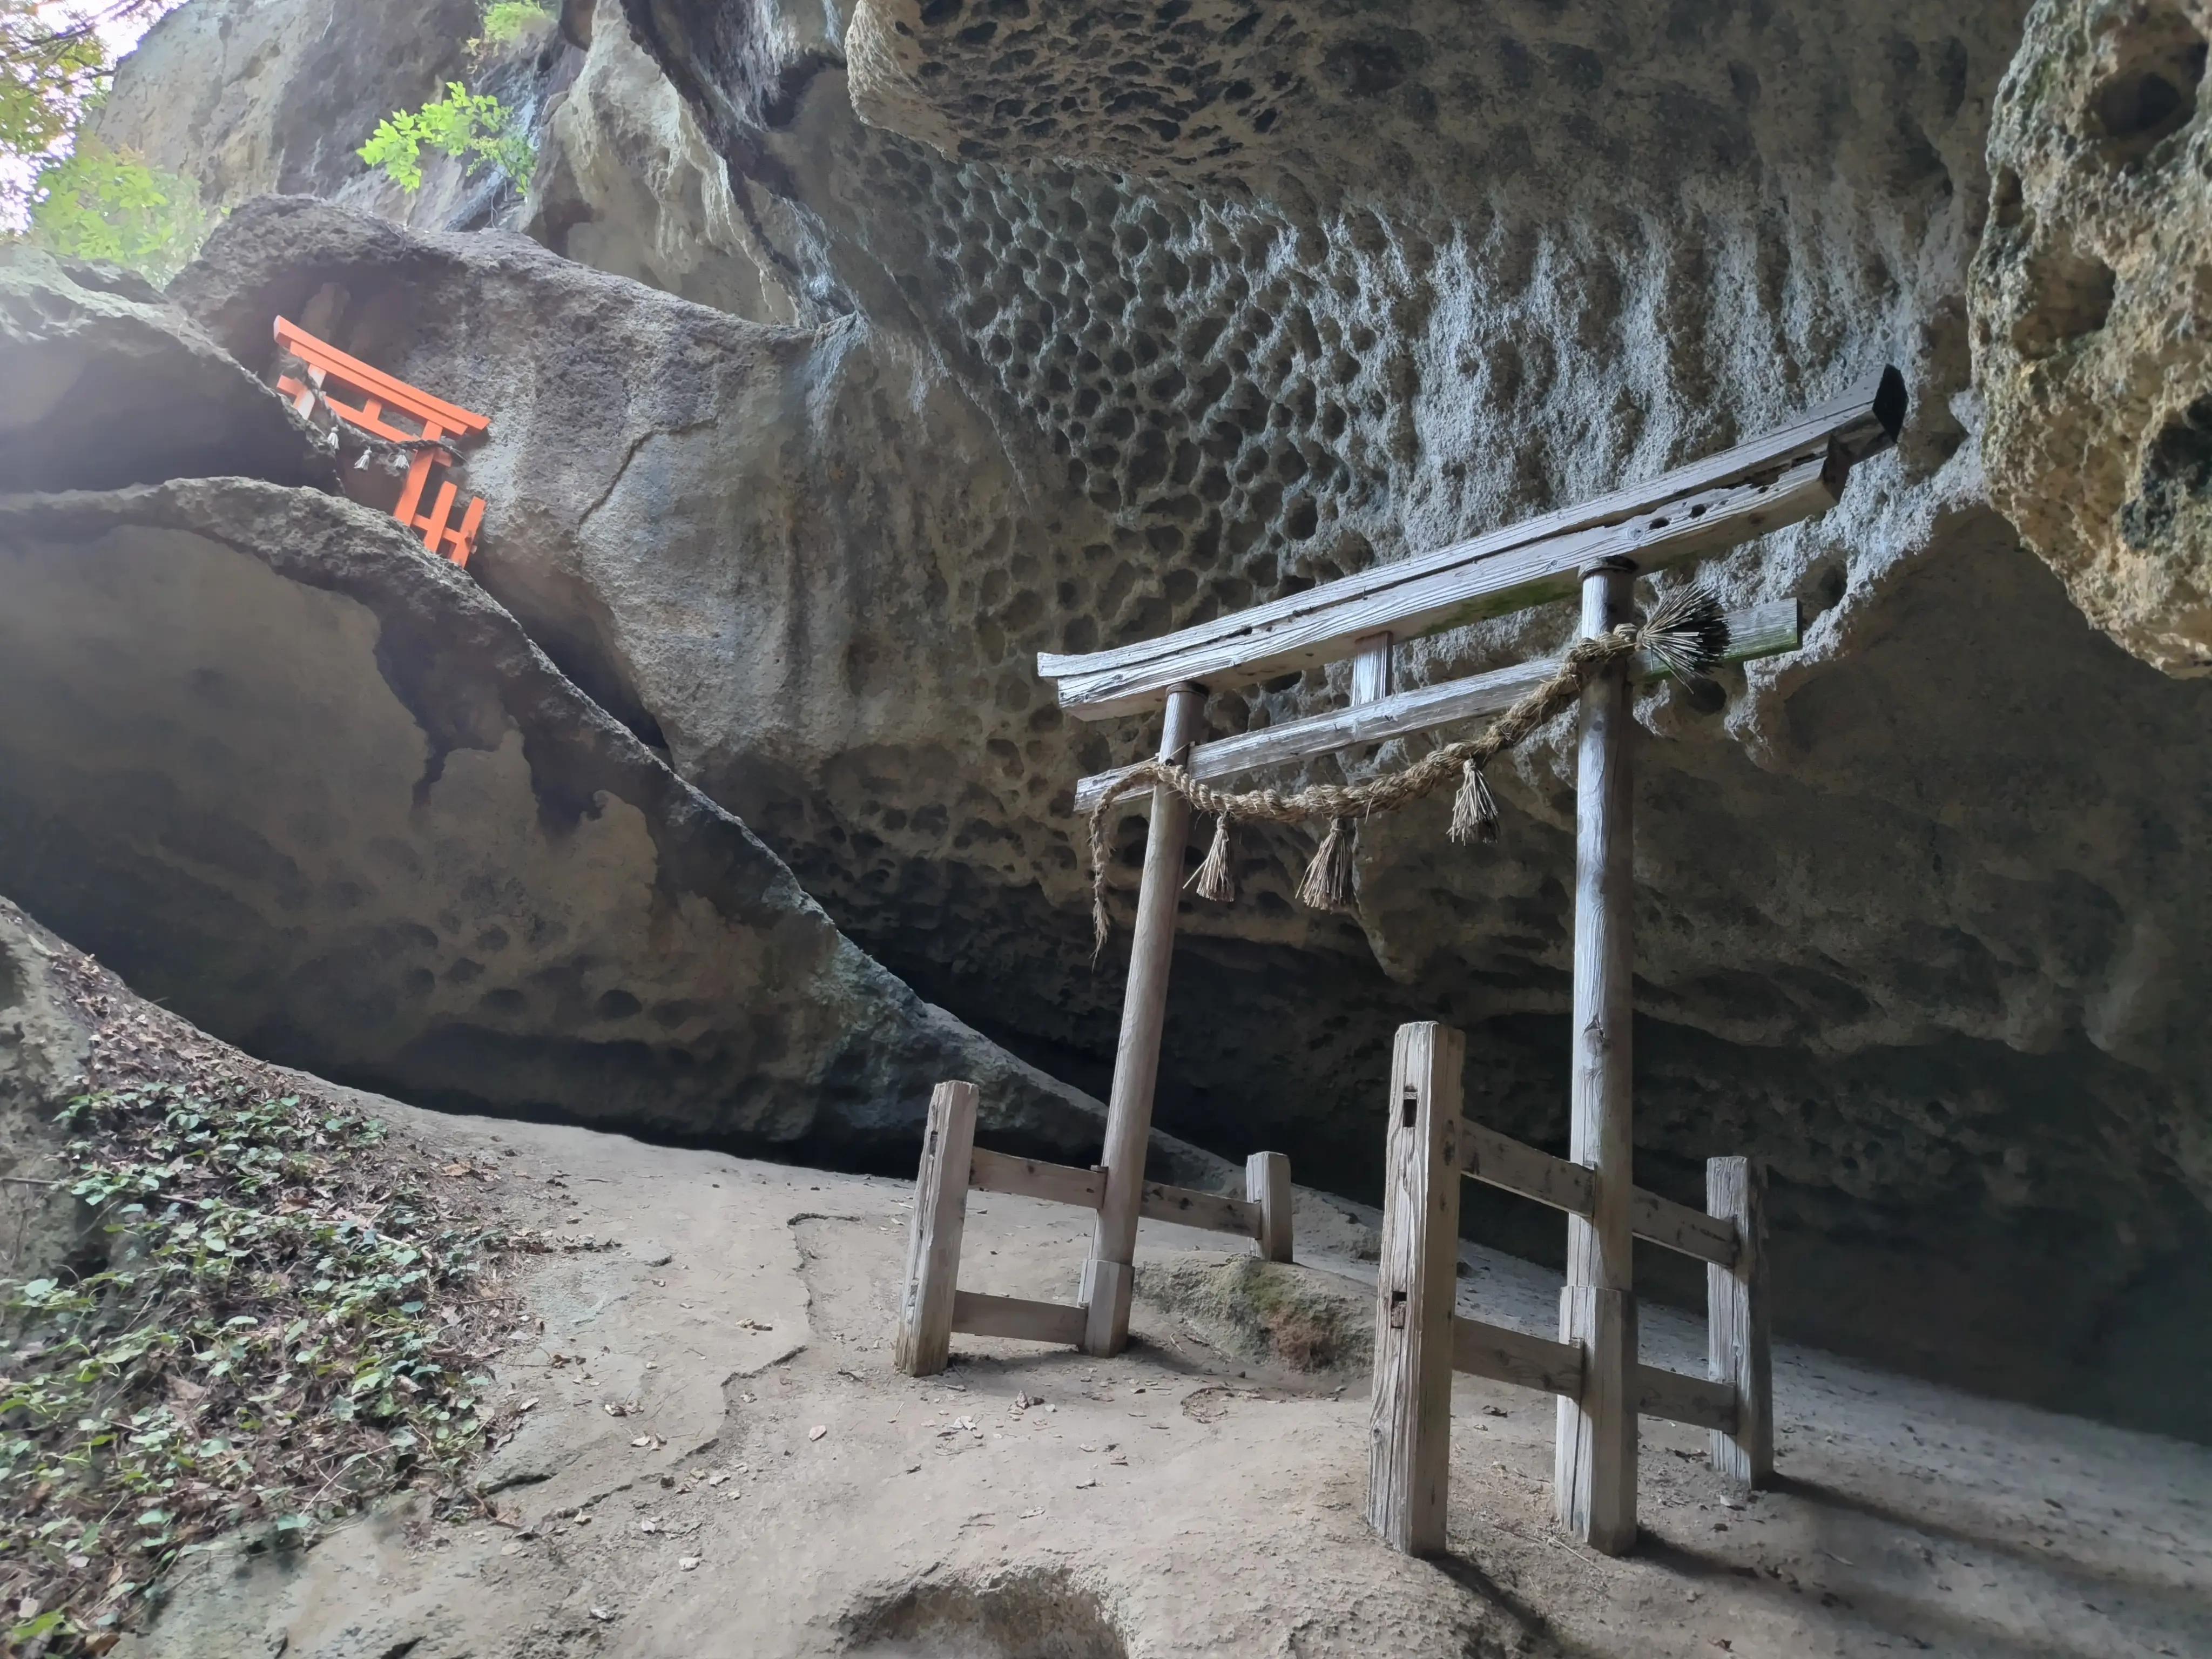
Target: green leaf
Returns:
[[100, 203]]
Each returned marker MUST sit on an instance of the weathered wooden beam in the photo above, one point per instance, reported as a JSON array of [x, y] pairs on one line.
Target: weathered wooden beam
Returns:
[[1763, 630], [1740, 1355], [1678, 1227], [1017, 1317], [1712, 504], [1409, 1419], [1596, 1443], [1108, 1278], [1319, 625], [1501, 1161], [932, 1249], [1267, 1184], [1188, 1208], [1694, 1399], [1509, 1356], [1372, 674], [1030, 1177]]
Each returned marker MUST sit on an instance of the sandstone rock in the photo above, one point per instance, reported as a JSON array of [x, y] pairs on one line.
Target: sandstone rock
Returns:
[[271, 98], [629, 184], [107, 385], [248, 97], [312, 788], [2090, 303], [43, 1049]]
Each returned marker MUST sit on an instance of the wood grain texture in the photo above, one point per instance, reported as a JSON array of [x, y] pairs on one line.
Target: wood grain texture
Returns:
[[1508, 1356], [1106, 1291], [1595, 1462], [1188, 1208], [1409, 1423], [1030, 1177], [1678, 1227], [1013, 1316], [1740, 1355], [1597, 1433], [1700, 1402], [1863, 421], [1137, 1055], [1600, 1104], [1371, 676], [1499, 1160], [932, 1245], [1267, 1184], [1319, 625], [1765, 630]]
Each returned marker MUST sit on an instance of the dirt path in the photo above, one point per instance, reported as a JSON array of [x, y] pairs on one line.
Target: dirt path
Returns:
[[1187, 1498]]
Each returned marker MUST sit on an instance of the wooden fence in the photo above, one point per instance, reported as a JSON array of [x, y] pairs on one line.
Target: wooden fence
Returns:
[[1419, 1340], [932, 1306]]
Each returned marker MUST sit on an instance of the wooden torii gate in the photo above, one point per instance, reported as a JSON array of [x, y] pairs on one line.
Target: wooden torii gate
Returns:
[[1597, 548]]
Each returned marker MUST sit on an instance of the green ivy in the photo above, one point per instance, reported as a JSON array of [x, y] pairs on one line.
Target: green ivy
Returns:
[[277, 1335], [475, 128]]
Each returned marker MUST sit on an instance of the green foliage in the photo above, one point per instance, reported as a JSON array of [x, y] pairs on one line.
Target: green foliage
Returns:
[[99, 202], [53, 62], [43, 78], [506, 21], [266, 1348], [474, 127]]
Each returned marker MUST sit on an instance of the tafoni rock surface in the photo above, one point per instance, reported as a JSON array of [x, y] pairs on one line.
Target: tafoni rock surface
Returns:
[[1103, 321], [2090, 295]]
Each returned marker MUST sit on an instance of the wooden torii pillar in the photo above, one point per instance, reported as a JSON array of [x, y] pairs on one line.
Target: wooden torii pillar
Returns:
[[1595, 550]]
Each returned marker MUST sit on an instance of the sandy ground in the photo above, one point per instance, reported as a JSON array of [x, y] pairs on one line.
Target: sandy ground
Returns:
[[793, 1495]]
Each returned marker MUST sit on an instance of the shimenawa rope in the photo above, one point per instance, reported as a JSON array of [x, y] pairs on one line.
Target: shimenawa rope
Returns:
[[1685, 635]]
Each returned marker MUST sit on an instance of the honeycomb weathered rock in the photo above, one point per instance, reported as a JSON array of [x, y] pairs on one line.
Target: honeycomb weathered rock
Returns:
[[2090, 302]]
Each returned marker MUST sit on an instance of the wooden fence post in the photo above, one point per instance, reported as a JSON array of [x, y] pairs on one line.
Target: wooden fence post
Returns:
[[1736, 1324], [1108, 1276], [1595, 1464], [1267, 1184], [1409, 1424], [932, 1247]]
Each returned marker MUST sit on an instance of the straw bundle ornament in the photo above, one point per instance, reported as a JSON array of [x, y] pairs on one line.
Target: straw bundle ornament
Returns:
[[1684, 635]]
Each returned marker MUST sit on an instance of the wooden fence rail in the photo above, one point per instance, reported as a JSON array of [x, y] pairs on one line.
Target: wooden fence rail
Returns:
[[932, 1306], [1419, 1340]]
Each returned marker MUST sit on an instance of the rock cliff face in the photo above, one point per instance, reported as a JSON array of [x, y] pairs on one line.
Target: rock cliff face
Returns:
[[2089, 299], [628, 184], [255, 97], [313, 787], [1117, 319]]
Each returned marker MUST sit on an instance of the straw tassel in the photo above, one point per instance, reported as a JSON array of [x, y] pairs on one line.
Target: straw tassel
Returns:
[[1215, 879], [1327, 885], [1474, 809]]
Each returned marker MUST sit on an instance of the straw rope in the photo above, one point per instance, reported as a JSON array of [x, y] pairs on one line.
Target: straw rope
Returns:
[[1685, 632]]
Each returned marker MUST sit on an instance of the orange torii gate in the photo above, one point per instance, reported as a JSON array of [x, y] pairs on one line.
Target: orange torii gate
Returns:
[[381, 397]]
